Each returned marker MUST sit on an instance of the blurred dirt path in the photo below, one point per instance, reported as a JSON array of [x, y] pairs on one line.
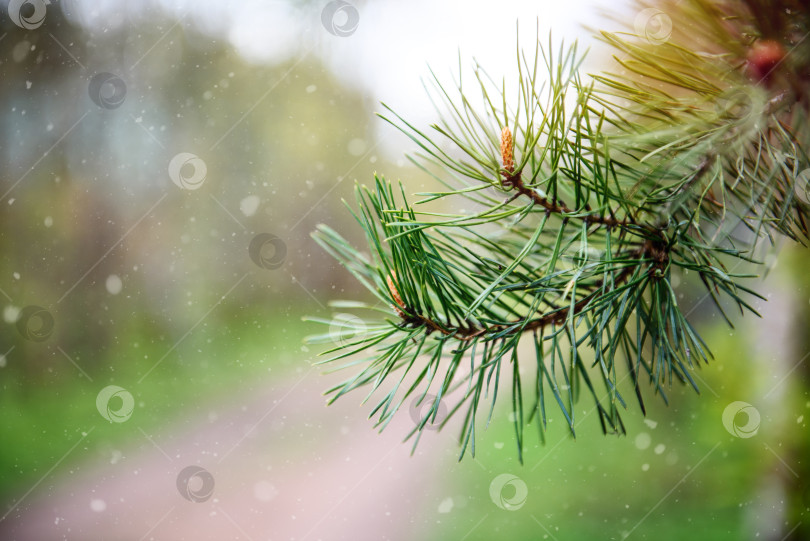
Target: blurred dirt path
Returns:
[[284, 466]]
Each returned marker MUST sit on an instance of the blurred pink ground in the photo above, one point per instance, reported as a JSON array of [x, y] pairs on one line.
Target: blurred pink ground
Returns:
[[302, 472]]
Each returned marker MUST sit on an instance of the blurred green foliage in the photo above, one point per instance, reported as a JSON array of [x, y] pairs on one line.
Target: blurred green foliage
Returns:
[[76, 213], [79, 193]]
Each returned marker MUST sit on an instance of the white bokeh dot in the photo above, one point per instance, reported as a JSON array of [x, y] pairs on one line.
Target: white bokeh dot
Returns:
[[264, 491], [249, 205], [643, 440], [114, 284], [357, 147]]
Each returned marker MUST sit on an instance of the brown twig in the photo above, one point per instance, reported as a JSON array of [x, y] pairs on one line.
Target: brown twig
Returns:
[[514, 180], [654, 250]]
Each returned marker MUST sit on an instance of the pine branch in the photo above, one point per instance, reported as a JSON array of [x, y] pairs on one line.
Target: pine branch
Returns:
[[580, 215]]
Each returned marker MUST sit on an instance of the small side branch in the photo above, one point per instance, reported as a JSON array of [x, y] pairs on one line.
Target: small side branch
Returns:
[[649, 252]]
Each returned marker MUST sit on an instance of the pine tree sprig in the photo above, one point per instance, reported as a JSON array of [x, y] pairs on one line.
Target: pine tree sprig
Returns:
[[586, 199]]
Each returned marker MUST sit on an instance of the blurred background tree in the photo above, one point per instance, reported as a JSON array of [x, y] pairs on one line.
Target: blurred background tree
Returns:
[[153, 288]]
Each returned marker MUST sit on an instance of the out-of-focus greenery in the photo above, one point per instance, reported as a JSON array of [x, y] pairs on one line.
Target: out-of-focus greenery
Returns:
[[81, 198], [79, 215], [230, 355], [601, 487]]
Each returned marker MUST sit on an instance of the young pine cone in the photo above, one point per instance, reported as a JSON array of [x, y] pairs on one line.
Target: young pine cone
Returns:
[[507, 150]]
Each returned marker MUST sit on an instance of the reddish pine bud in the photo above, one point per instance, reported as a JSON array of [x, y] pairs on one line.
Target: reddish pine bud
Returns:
[[763, 58]]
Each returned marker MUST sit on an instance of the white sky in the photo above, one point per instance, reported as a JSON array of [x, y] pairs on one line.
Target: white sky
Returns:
[[392, 45], [388, 55]]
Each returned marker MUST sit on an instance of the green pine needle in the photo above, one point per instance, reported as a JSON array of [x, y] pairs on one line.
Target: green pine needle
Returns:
[[586, 197]]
